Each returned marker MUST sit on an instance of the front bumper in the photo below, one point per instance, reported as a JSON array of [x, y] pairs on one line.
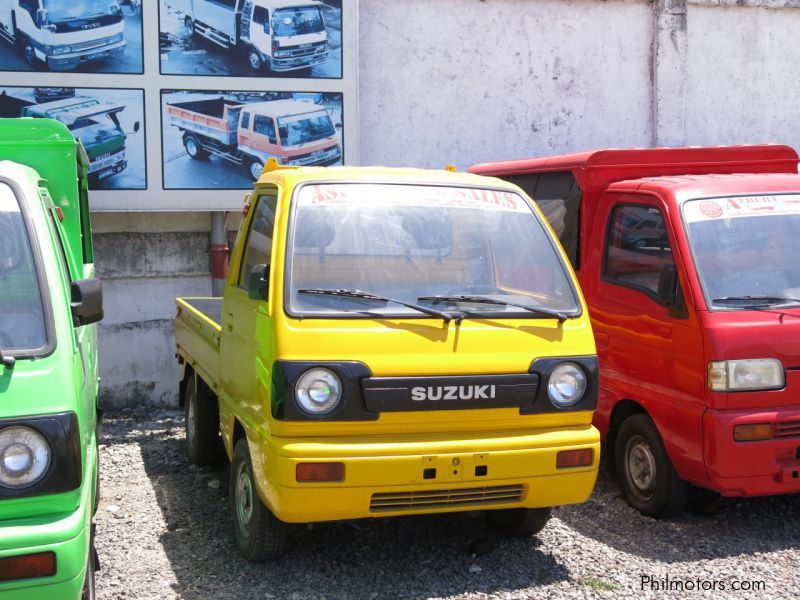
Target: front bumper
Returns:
[[481, 471], [299, 62], [65, 62], [66, 536], [752, 468]]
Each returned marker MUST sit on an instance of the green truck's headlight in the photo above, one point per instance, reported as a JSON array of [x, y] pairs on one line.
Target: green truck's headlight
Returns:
[[567, 385], [318, 391], [24, 457]]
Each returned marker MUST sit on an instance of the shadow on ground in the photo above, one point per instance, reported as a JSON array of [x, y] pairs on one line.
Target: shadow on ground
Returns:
[[415, 557]]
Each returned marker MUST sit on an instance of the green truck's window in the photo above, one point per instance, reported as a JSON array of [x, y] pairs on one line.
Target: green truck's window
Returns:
[[22, 318], [258, 246]]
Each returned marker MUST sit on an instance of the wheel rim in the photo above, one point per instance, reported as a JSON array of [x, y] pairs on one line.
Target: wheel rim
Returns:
[[191, 415], [255, 61], [640, 467], [191, 147], [256, 169], [244, 499]]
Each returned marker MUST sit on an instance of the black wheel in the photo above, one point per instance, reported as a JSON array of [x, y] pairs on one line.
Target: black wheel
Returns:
[[29, 54], [88, 592], [518, 522], [194, 148], [203, 442], [648, 479], [254, 59], [259, 534], [256, 167]]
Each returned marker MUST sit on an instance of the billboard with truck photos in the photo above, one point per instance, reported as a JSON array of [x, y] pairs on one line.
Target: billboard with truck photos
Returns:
[[181, 103]]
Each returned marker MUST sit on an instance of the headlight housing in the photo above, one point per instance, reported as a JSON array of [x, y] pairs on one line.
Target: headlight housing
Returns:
[[24, 457], [567, 385], [318, 391], [57, 50], [746, 375]]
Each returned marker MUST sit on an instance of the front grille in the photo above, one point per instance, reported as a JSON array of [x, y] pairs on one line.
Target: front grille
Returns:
[[94, 43], [428, 499], [786, 429]]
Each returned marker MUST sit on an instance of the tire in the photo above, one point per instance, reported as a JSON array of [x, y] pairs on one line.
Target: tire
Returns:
[[259, 534], [194, 147], [518, 522], [88, 592], [255, 167], [648, 480], [254, 60], [203, 442]]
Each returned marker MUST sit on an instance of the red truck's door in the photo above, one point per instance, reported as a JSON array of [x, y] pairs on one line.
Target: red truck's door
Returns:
[[648, 352]]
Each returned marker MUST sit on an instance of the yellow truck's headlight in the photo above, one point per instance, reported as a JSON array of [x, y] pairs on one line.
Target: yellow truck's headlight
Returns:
[[24, 457], [318, 391], [567, 385], [746, 375]]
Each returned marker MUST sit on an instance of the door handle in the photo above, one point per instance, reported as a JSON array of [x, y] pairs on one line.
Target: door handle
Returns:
[[229, 324]]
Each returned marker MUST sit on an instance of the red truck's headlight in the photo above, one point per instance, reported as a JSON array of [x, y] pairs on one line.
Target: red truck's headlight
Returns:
[[746, 375]]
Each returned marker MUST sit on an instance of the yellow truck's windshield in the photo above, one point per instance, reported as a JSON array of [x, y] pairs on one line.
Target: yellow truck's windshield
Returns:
[[427, 245], [22, 324]]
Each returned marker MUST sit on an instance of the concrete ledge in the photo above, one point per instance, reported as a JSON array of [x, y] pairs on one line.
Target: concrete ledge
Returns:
[[130, 255]]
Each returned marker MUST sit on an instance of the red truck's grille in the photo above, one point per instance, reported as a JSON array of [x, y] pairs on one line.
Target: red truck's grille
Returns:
[[786, 429]]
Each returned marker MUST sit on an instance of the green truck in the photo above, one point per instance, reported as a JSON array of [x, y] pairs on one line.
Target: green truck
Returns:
[[95, 123], [49, 301]]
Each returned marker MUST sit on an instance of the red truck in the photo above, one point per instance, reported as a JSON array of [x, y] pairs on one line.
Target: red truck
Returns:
[[687, 260]]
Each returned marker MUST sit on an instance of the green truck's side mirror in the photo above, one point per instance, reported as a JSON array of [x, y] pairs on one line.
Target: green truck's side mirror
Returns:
[[87, 301], [258, 282]]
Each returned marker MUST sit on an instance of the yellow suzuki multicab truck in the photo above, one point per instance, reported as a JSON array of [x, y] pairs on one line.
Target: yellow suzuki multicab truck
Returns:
[[391, 342]]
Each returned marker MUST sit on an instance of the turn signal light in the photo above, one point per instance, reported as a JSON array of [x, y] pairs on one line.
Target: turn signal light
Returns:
[[752, 433], [28, 566], [327, 471], [574, 458]]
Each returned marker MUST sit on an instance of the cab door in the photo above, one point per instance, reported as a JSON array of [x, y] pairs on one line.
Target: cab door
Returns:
[[650, 352], [247, 340], [263, 138], [260, 35]]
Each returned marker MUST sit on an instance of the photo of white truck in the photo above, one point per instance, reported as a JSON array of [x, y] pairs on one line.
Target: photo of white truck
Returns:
[[244, 37], [95, 118], [64, 35], [245, 135]]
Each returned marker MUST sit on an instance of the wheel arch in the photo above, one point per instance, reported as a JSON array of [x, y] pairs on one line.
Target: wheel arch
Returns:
[[622, 410]]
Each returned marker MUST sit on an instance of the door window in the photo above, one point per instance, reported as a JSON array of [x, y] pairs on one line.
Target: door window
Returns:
[[258, 245], [637, 247], [245, 120], [265, 126]]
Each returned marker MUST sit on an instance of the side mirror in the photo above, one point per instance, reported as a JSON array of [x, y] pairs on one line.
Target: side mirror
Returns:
[[87, 301], [265, 24], [668, 285], [258, 282], [136, 127], [338, 126], [41, 17]]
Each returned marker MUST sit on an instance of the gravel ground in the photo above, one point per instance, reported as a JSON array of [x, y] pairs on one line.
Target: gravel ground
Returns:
[[163, 532]]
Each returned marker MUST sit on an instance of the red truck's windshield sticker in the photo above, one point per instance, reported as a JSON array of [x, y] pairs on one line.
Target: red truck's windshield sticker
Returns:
[[412, 195], [741, 206]]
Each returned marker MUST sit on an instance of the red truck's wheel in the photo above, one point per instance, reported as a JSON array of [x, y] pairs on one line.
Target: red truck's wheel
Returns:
[[518, 522], [648, 479], [259, 534]]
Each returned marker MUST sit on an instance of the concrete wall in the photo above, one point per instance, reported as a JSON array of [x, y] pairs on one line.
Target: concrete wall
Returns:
[[463, 81]]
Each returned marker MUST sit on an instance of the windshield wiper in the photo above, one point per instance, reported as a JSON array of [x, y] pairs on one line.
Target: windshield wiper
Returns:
[[757, 300], [445, 316], [484, 300]]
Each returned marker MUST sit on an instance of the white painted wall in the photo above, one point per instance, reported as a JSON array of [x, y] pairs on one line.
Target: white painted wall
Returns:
[[459, 82]]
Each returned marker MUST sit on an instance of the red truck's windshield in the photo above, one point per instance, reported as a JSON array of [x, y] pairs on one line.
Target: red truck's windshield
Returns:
[[744, 249], [22, 323], [415, 242]]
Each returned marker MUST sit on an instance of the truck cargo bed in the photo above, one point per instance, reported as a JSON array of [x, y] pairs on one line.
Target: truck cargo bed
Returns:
[[197, 331], [214, 118]]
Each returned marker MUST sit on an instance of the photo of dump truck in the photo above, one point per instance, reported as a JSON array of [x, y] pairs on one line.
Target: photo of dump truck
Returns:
[[295, 38], [67, 35], [218, 130], [95, 117]]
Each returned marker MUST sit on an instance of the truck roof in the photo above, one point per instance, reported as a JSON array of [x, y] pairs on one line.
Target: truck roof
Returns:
[[276, 4], [293, 176], [282, 108]]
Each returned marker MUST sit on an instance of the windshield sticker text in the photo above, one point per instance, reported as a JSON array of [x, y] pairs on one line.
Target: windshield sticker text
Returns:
[[742, 206]]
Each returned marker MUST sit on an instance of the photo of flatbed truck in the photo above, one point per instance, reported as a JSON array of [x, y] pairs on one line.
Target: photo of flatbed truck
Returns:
[[249, 134], [390, 342], [50, 301]]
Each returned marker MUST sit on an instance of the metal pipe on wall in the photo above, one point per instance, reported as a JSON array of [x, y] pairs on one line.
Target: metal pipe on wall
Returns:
[[218, 253]]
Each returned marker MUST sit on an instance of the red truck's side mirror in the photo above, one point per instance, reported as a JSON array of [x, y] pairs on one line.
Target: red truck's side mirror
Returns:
[[667, 285]]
